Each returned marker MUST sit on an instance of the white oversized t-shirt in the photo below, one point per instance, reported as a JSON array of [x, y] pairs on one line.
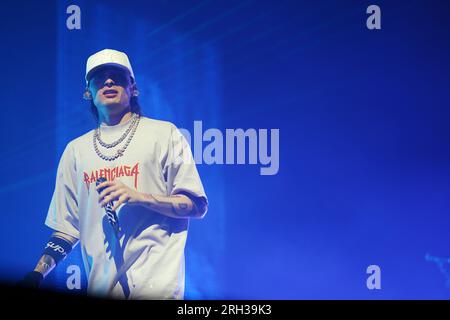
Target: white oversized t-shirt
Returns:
[[147, 261]]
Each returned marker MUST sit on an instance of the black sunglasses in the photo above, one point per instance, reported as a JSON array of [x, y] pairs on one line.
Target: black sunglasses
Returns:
[[119, 77]]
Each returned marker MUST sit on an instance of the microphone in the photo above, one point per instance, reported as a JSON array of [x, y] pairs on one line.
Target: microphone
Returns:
[[110, 213]]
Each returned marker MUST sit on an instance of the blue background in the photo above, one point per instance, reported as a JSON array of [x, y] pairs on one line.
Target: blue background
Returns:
[[364, 135]]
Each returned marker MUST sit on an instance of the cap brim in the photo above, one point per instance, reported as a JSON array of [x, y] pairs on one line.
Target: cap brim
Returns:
[[106, 65]]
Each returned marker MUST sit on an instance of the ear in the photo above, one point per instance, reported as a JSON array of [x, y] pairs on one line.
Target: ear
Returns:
[[87, 94], [134, 91]]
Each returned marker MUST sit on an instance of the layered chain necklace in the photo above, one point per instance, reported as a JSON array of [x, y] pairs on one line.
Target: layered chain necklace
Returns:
[[129, 132]]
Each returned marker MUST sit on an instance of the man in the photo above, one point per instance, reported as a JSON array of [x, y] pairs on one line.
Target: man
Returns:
[[132, 227]]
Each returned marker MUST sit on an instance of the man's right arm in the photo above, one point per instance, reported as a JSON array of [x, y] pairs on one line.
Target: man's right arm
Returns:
[[58, 247]]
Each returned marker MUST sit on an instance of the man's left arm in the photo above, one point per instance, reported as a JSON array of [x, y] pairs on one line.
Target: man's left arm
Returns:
[[176, 206]]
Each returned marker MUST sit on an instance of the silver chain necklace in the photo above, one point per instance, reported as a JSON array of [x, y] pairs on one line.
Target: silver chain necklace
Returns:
[[132, 129], [115, 143]]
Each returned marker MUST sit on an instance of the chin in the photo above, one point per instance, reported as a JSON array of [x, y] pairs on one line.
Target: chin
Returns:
[[115, 107], [116, 103]]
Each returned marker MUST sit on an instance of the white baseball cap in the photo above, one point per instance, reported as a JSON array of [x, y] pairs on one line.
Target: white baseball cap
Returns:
[[108, 57]]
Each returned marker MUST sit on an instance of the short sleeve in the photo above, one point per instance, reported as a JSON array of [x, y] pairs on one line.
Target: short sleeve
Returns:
[[181, 171], [63, 211]]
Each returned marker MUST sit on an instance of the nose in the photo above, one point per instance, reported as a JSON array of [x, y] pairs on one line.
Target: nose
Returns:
[[109, 83]]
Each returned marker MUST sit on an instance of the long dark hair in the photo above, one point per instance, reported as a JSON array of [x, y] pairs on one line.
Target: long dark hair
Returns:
[[134, 106]]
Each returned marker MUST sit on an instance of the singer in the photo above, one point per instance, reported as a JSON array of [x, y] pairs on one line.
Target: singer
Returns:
[[132, 223]]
